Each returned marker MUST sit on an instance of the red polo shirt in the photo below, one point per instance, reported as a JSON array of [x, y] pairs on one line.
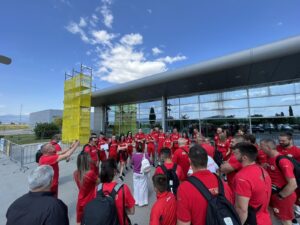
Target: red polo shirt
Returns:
[[168, 143], [113, 150], [129, 200], [163, 211], [191, 205], [181, 158], [210, 150], [292, 151], [254, 183], [236, 165], [174, 138], [169, 166], [87, 191], [51, 160]]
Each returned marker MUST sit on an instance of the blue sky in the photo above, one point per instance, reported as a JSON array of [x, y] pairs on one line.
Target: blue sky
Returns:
[[124, 40]]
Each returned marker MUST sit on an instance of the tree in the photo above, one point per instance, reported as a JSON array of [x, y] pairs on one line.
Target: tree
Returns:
[[58, 121], [152, 117], [46, 130], [291, 113]]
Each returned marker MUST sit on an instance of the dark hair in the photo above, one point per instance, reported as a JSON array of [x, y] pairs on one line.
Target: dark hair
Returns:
[[91, 139], [101, 133], [120, 138], [186, 133], [83, 164], [247, 149], [129, 132], [270, 142], [139, 147], [250, 137], [108, 169], [287, 134], [198, 156], [160, 182], [165, 153]]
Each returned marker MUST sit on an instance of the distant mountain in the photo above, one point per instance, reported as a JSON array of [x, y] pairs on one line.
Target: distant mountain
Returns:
[[14, 119]]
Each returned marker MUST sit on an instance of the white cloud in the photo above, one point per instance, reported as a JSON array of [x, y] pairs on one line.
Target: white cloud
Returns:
[[156, 51], [82, 22], [88, 53], [102, 37], [132, 39], [171, 60], [108, 18], [75, 28], [149, 11]]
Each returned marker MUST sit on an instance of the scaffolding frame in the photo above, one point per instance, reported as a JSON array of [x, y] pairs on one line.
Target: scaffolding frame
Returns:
[[77, 105]]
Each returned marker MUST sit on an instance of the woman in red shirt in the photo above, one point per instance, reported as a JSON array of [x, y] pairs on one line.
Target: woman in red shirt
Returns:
[[86, 180], [113, 148], [122, 155], [129, 141], [123, 196], [185, 136]]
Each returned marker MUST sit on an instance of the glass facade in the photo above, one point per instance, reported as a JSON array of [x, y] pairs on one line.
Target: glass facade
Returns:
[[270, 108]]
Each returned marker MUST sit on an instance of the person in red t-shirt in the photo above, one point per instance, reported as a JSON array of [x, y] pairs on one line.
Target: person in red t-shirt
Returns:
[[181, 158], [50, 157], [150, 146], [191, 205], [210, 150], [122, 155], [218, 132], [113, 148], [195, 135], [252, 187], [262, 158], [100, 143], [160, 142], [223, 146], [92, 150], [185, 136], [107, 174], [54, 141], [86, 180], [174, 138], [232, 165], [286, 146], [163, 211], [165, 158], [129, 141], [167, 141], [140, 139], [283, 183]]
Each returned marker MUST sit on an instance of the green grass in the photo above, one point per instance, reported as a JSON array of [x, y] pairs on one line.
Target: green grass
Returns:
[[13, 127], [24, 139]]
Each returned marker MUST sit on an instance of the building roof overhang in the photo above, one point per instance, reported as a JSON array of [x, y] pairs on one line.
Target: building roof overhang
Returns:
[[275, 62]]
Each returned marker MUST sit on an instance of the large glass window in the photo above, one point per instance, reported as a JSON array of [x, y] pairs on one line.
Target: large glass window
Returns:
[[189, 107], [189, 100], [235, 94], [272, 101], [257, 92], [282, 89], [210, 97]]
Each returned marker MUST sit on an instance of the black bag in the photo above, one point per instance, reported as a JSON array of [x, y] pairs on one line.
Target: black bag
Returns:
[[219, 210], [38, 155], [218, 157], [173, 181], [296, 167], [102, 210]]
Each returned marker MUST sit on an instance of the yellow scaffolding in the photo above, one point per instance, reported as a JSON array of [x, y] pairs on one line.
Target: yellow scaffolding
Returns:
[[77, 106]]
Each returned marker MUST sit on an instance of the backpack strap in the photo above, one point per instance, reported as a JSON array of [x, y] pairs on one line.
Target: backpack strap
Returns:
[[174, 167], [164, 169], [200, 187], [278, 159], [115, 190], [220, 185]]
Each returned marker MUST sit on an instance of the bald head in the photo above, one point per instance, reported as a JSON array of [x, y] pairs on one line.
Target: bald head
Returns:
[[48, 149], [182, 142]]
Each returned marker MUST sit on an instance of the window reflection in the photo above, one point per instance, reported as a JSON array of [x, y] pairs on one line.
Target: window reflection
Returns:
[[235, 94], [270, 111], [189, 115], [173, 101], [272, 101], [282, 89], [189, 100], [256, 92], [190, 107], [210, 97]]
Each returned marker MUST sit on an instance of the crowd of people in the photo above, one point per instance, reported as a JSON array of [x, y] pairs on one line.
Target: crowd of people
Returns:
[[248, 181]]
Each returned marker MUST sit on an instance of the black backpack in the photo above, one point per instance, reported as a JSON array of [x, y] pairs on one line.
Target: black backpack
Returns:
[[296, 166], [218, 157], [102, 210], [219, 210], [173, 181]]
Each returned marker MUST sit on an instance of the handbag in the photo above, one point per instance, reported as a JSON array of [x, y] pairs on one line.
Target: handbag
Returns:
[[145, 165]]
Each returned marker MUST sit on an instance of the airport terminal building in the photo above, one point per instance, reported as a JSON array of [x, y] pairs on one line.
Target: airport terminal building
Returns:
[[256, 89]]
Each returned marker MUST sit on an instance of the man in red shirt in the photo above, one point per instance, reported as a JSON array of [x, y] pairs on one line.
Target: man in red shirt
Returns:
[[54, 141], [252, 187], [163, 211], [210, 150], [191, 204], [50, 157], [150, 145], [232, 165], [181, 156], [100, 143], [161, 140], [92, 150], [140, 139], [167, 141], [165, 157], [174, 138], [283, 183], [286, 146], [218, 132]]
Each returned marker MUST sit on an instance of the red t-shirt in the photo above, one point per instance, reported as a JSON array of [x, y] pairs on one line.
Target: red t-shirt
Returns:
[[174, 138], [113, 150], [101, 141], [87, 191], [150, 141], [167, 143], [140, 136], [216, 139], [92, 151], [293, 151], [236, 165], [155, 135], [278, 176], [210, 150], [169, 166], [163, 211], [262, 157], [129, 141], [51, 160], [129, 200], [254, 183], [223, 147], [161, 140], [191, 205], [181, 158], [56, 146]]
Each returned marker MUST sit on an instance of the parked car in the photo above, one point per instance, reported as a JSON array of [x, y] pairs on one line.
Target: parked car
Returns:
[[256, 129], [285, 127], [269, 127]]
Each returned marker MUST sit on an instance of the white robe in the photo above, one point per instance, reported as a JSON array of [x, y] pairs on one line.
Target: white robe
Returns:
[[140, 189]]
